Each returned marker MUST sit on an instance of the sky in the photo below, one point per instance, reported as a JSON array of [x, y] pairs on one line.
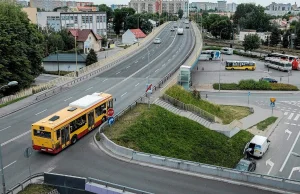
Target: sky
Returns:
[[261, 2]]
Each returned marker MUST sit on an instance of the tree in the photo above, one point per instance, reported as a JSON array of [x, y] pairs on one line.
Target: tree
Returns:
[[275, 37], [108, 10], [138, 21], [285, 39], [297, 40], [21, 48], [224, 27], [180, 13], [251, 42], [91, 58], [68, 39]]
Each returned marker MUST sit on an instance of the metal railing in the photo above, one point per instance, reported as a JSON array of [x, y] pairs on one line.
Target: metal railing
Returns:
[[20, 186], [190, 107]]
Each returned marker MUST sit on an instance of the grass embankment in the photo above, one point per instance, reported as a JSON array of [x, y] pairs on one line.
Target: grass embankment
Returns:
[[158, 131], [265, 123], [224, 112], [13, 101], [36, 189], [255, 85]]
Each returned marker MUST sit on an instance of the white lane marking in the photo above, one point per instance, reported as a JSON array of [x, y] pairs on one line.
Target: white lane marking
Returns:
[[156, 70], [143, 57], [293, 124], [163, 64], [68, 99], [296, 109], [5, 128], [286, 123], [291, 116], [127, 67], [41, 112], [269, 162], [137, 84], [136, 61], [118, 72], [104, 80], [289, 132], [15, 138], [286, 159], [147, 76], [294, 169], [9, 165], [297, 117], [168, 60], [123, 94], [286, 113], [88, 88], [50, 169]]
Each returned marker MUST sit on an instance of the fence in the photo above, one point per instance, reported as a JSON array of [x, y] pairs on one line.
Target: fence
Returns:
[[86, 71], [191, 108]]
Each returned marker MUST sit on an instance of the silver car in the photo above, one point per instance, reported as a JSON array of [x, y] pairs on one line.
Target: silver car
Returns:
[[157, 41]]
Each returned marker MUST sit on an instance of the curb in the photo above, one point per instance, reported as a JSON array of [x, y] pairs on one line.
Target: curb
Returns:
[[274, 126], [253, 92], [199, 175]]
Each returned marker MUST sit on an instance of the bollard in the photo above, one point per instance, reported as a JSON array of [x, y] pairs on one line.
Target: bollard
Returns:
[[206, 96]]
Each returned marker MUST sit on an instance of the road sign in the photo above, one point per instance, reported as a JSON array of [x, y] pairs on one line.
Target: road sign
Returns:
[[249, 93], [149, 88], [272, 104], [111, 120], [28, 152], [273, 100], [110, 112]]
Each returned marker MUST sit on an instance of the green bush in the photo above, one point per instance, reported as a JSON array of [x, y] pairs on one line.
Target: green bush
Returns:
[[226, 86], [212, 48], [283, 87], [254, 85]]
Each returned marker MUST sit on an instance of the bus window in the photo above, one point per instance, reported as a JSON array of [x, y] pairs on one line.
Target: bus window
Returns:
[[110, 103], [78, 123], [43, 134], [99, 110]]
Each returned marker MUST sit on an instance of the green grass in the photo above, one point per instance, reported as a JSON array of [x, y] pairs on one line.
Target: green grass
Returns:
[[265, 123], [226, 113], [36, 189], [158, 131], [13, 101]]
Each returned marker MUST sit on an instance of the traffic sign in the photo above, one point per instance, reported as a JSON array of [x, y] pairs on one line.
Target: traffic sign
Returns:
[[110, 112], [28, 152], [273, 100], [149, 88], [111, 120], [272, 104], [249, 93]]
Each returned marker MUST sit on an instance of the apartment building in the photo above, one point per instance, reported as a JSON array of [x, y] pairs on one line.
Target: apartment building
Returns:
[[231, 7], [204, 5], [117, 6], [83, 4], [222, 6], [278, 9], [49, 5]]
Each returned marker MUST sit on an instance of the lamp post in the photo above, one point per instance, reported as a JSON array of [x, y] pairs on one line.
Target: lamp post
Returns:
[[148, 76], [12, 83]]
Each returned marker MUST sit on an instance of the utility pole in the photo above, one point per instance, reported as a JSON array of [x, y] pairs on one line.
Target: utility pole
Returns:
[[58, 72]]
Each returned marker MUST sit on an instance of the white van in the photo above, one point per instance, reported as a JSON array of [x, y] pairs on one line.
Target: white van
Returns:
[[180, 31], [258, 146], [227, 51]]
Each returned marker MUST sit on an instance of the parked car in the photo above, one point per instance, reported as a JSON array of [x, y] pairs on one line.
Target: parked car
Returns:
[[157, 41], [187, 26], [268, 79], [248, 165]]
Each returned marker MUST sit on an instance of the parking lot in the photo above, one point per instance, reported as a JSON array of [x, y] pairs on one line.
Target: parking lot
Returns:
[[209, 72]]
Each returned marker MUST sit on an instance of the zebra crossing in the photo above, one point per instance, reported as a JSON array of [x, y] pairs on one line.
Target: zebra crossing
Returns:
[[292, 114]]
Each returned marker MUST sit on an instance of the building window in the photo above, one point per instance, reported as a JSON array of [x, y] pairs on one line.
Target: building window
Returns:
[[87, 19]]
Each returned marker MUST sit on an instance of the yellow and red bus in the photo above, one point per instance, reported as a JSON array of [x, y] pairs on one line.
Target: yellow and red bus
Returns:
[[63, 128]]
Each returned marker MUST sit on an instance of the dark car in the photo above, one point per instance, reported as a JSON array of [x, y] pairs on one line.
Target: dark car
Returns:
[[268, 79], [248, 165]]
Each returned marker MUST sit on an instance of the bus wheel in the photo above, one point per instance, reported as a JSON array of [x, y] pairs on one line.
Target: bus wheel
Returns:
[[232, 68], [74, 139], [246, 69]]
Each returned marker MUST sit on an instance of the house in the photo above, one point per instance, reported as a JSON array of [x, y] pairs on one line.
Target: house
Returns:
[[132, 36], [64, 62], [262, 35], [86, 39]]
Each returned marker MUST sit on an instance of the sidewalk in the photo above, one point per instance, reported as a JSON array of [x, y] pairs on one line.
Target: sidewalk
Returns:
[[201, 89]]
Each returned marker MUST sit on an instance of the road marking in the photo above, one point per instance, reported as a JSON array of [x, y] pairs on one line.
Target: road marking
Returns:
[[286, 123], [286, 113], [163, 64], [127, 67], [289, 132], [9, 165], [123, 94], [291, 116], [41, 112], [147, 76], [137, 84], [5, 128], [136, 61], [50, 169], [118, 72], [286, 159], [15, 138], [168, 60], [68, 99], [156, 70], [269, 162], [104, 80], [294, 169], [293, 124], [297, 117], [88, 88], [143, 57]]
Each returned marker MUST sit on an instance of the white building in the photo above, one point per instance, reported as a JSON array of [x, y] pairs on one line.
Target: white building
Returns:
[[49, 5], [132, 36], [154, 6], [117, 6], [278, 9], [263, 35], [222, 6], [49, 19], [231, 7], [204, 5]]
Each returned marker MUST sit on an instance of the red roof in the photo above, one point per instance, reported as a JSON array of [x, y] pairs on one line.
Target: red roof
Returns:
[[138, 33], [82, 35]]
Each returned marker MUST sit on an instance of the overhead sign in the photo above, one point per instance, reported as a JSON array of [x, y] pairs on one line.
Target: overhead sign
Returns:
[[110, 112], [272, 100], [111, 120], [149, 88]]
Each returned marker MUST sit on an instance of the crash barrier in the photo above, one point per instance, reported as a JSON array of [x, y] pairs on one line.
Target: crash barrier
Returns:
[[20, 186]]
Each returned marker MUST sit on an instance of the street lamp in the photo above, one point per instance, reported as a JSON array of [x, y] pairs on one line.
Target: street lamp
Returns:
[[148, 76], [12, 83]]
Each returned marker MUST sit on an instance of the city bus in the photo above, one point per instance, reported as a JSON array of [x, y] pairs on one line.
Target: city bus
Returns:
[[63, 128], [211, 55], [284, 57], [240, 65], [279, 65]]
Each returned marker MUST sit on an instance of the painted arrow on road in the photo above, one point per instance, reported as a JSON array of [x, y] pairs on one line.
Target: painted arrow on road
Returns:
[[269, 162], [289, 132], [294, 169]]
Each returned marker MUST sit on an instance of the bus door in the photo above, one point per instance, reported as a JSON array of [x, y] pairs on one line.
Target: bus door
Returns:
[[91, 120], [65, 137]]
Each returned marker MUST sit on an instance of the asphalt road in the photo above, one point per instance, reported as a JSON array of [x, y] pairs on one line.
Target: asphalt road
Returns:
[[282, 158], [210, 74], [126, 82]]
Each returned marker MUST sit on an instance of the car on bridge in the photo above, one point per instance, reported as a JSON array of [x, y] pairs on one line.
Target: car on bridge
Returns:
[[247, 164], [172, 29], [180, 31]]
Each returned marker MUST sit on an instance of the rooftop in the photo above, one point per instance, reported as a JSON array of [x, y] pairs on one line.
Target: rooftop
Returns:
[[138, 33], [82, 35]]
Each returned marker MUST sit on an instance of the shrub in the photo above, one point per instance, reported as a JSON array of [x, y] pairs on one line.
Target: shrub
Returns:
[[212, 48], [226, 86], [254, 85], [283, 87]]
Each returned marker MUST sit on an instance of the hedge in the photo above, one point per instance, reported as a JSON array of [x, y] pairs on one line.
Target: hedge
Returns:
[[255, 85]]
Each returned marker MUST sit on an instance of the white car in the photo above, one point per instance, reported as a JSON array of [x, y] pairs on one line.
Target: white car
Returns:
[[157, 41]]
